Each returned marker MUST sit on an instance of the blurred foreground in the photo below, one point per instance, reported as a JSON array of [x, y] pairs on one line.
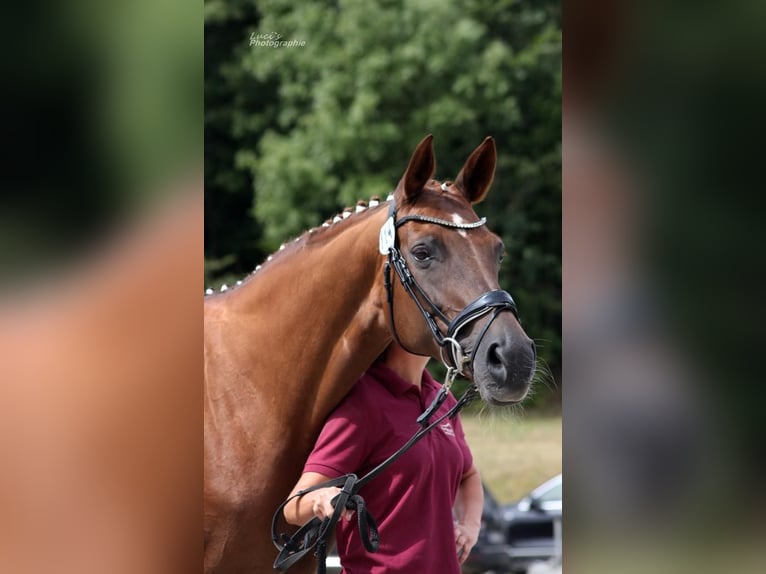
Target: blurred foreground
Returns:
[[662, 284], [101, 270], [100, 407]]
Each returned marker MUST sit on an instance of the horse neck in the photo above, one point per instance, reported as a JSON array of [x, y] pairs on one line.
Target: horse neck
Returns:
[[318, 308]]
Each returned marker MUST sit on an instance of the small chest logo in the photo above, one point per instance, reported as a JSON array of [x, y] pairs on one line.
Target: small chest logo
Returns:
[[447, 428]]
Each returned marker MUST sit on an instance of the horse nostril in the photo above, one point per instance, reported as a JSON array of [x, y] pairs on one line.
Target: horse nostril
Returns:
[[493, 355], [534, 350]]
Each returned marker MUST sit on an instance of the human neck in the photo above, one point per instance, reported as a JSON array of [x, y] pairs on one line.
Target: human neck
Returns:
[[408, 366]]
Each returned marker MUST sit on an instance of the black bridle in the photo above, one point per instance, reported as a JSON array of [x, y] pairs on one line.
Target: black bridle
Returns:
[[495, 301], [314, 534]]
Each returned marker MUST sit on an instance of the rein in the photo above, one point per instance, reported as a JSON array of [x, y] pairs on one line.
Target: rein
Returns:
[[314, 533]]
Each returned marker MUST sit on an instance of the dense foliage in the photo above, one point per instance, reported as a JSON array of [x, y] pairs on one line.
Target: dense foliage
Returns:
[[294, 133]]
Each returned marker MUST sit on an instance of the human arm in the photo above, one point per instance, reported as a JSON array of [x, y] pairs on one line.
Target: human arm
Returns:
[[469, 505], [317, 503], [340, 448]]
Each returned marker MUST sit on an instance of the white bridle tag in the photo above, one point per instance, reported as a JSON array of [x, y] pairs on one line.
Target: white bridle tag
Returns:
[[387, 237]]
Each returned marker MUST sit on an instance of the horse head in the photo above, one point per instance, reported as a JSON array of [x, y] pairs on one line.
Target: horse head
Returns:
[[448, 302]]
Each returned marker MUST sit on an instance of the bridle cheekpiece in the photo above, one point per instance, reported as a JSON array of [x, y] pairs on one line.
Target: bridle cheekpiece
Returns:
[[496, 301]]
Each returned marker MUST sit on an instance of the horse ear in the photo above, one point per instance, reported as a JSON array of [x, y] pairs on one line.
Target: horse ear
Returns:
[[475, 179], [420, 169]]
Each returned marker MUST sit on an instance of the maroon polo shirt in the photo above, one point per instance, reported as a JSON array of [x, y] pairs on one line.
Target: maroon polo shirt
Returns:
[[412, 499]]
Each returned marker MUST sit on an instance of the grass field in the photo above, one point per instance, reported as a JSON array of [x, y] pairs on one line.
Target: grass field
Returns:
[[514, 452]]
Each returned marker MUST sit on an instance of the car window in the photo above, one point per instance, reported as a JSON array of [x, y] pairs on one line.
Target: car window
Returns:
[[552, 495]]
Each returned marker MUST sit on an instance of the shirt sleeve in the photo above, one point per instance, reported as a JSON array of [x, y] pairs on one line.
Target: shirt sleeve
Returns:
[[342, 444], [463, 444]]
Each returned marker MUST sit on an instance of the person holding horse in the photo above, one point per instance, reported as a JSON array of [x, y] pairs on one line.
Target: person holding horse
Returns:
[[421, 269], [428, 503]]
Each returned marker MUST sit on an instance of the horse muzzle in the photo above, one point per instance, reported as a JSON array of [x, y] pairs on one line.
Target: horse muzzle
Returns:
[[504, 362]]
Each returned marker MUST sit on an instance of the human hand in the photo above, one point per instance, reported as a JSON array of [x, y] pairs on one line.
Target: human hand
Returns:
[[322, 503], [466, 536]]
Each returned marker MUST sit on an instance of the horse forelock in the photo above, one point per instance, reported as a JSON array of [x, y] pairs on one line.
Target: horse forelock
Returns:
[[440, 199]]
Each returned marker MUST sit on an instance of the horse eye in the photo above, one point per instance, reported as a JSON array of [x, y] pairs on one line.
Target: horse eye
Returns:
[[421, 253]]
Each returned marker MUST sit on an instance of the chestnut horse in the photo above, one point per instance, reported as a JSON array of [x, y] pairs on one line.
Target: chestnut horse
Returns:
[[284, 347]]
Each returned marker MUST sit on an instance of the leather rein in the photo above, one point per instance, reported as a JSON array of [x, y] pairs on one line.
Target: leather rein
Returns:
[[315, 533]]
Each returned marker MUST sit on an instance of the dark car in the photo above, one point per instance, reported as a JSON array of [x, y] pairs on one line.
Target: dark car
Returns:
[[534, 525], [512, 536]]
